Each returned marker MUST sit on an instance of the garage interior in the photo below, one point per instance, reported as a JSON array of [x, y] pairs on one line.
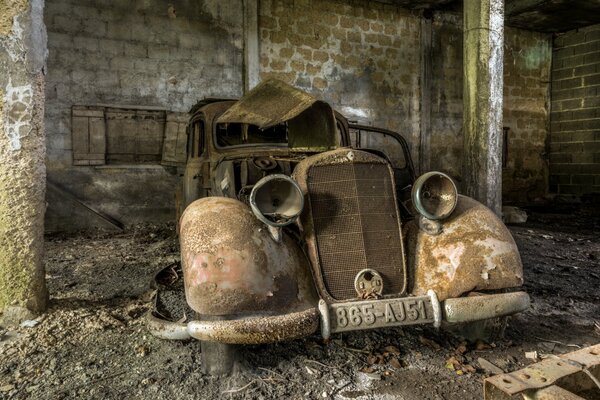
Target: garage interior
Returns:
[[95, 95]]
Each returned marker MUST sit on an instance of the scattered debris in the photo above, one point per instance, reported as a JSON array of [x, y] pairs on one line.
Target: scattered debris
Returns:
[[531, 355], [489, 367], [30, 323], [93, 328], [513, 215], [430, 343]]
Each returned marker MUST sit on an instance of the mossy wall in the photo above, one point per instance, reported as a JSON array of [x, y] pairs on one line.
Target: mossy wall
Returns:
[[22, 153]]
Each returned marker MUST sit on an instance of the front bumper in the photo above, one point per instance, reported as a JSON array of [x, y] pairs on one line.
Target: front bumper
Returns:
[[356, 315]]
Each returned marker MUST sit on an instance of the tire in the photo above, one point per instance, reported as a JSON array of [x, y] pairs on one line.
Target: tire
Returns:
[[218, 359], [487, 330]]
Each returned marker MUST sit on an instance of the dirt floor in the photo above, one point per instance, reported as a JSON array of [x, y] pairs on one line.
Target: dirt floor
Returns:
[[92, 342]]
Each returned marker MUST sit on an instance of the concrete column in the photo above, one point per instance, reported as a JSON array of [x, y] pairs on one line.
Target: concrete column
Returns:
[[483, 47], [251, 45], [22, 152], [424, 154]]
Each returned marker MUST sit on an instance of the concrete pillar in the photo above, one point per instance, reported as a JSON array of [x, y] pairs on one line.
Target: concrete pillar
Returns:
[[22, 152], [483, 51], [251, 45], [423, 163]]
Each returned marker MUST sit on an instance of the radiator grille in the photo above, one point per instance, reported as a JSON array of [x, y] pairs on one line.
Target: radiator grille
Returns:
[[356, 225]]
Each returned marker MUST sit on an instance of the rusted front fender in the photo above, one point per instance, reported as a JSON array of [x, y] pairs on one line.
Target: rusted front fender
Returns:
[[232, 266], [474, 251]]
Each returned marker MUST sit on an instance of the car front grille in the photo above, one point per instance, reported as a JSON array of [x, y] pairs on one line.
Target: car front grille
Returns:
[[357, 226]]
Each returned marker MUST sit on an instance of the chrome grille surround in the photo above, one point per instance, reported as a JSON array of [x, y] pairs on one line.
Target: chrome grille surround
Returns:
[[351, 222]]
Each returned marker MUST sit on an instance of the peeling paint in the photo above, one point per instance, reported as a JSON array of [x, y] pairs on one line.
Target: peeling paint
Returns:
[[17, 113]]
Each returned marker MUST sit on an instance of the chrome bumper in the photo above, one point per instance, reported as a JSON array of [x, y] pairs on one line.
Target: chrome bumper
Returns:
[[254, 330], [475, 308], [359, 315], [270, 329]]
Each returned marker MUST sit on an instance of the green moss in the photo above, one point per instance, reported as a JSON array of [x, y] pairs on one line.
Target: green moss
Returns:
[[15, 279]]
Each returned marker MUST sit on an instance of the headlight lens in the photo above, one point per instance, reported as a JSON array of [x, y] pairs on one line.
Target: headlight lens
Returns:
[[434, 195]]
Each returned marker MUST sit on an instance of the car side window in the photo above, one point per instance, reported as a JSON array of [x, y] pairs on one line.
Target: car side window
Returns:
[[195, 142], [386, 143]]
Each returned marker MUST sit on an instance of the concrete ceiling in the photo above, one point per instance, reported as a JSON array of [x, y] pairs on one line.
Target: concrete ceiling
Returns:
[[537, 15]]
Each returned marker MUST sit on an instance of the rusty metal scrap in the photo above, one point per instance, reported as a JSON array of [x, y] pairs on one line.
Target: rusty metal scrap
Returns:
[[557, 377], [257, 330]]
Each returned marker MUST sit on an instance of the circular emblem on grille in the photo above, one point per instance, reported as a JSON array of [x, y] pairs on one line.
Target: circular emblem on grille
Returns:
[[368, 284]]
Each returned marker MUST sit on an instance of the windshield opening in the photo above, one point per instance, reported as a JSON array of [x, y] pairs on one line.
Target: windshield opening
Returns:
[[236, 134]]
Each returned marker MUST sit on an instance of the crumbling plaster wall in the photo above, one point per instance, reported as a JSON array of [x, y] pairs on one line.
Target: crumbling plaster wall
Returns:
[[364, 57], [22, 151], [147, 53]]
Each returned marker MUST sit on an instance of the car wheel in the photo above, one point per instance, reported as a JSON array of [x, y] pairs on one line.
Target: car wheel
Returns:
[[218, 358], [487, 330]]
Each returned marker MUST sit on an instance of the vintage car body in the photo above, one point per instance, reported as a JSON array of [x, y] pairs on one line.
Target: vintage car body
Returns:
[[325, 231]]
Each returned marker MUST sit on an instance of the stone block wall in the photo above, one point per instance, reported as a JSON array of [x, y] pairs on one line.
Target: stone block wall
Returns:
[[148, 54], [527, 65], [364, 57], [527, 60], [575, 117], [361, 56]]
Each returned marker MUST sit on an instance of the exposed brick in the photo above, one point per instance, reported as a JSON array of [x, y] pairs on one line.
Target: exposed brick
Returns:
[[354, 36], [591, 80], [313, 69], [582, 136], [306, 54], [319, 83], [570, 83], [561, 179], [582, 158], [567, 104], [562, 74], [277, 37], [268, 22], [286, 52], [591, 102], [570, 189], [592, 58], [321, 56], [277, 65]]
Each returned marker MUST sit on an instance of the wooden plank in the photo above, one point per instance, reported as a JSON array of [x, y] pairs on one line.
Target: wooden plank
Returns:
[[80, 135]]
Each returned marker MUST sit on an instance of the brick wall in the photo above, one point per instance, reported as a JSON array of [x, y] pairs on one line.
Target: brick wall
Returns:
[[575, 117], [361, 56], [527, 65], [365, 58], [527, 59], [153, 54]]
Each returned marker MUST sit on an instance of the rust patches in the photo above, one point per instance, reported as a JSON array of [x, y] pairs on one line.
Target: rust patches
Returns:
[[475, 251], [258, 330], [232, 266]]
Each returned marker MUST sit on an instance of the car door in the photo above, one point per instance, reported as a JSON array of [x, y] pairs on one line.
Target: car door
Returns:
[[195, 176]]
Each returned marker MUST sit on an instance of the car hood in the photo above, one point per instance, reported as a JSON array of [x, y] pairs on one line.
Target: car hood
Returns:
[[311, 121]]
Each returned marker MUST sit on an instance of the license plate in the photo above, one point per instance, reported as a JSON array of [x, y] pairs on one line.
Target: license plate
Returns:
[[369, 314]]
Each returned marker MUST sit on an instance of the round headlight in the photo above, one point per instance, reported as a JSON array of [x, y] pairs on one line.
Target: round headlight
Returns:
[[434, 195], [276, 200]]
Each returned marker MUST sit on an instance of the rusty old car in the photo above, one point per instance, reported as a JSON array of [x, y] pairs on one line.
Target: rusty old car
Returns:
[[296, 221]]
